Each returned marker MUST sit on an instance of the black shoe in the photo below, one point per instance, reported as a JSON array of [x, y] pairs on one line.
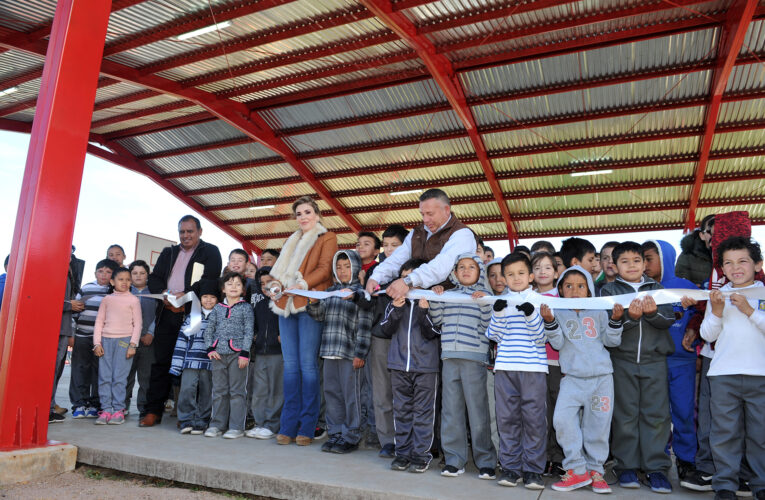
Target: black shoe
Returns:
[[418, 467], [55, 418], [684, 469], [760, 495], [400, 463], [533, 481], [725, 495], [388, 451], [342, 447], [452, 471], [743, 489], [487, 473], [697, 481], [329, 445], [372, 440], [556, 469], [509, 478], [319, 433]]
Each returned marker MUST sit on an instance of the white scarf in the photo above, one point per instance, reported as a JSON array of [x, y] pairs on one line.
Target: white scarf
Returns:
[[286, 268]]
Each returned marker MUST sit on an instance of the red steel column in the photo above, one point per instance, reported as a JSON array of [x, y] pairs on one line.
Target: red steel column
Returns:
[[31, 313]]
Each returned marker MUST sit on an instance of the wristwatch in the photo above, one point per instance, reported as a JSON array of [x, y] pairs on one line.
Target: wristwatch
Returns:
[[408, 281]]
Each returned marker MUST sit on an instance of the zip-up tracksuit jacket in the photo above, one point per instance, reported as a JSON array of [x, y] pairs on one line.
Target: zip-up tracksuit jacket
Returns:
[[413, 363], [641, 420]]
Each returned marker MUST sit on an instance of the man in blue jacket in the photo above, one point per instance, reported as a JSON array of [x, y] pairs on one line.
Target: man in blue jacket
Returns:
[[660, 265]]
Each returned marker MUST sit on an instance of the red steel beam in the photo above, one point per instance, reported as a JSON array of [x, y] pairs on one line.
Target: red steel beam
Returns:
[[331, 19], [125, 159], [234, 113], [30, 316], [201, 18], [737, 22]]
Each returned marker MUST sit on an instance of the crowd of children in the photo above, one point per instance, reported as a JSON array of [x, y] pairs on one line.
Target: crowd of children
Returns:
[[566, 391]]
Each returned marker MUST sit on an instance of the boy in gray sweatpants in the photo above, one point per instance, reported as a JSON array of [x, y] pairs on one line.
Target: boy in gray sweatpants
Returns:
[[228, 337], [581, 337]]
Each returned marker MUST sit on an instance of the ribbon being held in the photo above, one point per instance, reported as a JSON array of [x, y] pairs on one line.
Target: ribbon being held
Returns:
[[195, 316], [666, 296]]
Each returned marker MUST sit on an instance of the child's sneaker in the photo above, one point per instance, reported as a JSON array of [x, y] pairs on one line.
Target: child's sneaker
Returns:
[[103, 418], [419, 467], [388, 451], [186, 428], [54, 418], [264, 433], [400, 463], [213, 432], [628, 479], [252, 433], [91, 412], [233, 434], [533, 481], [599, 485], [117, 418], [78, 412], [571, 481], [509, 478], [697, 481], [487, 473], [330, 443], [451, 471], [197, 430], [659, 483]]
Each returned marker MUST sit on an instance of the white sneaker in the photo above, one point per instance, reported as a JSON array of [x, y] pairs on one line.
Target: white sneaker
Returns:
[[233, 434], [263, 433], [213, 432], [252, 433]]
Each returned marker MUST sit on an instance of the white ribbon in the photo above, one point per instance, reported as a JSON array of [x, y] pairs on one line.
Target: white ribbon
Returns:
[[664, 296], [195, 317]]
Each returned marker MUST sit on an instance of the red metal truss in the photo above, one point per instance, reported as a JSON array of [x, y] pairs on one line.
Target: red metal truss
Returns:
[[332, 19], [125, 159], [233, 113], [737, 22], [192, 21]]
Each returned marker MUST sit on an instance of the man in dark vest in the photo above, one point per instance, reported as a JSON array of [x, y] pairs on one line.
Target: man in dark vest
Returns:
[[178, 268], [438, 240]]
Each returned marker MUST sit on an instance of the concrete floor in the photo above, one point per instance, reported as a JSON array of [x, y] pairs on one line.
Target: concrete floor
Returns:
[[267, 469]]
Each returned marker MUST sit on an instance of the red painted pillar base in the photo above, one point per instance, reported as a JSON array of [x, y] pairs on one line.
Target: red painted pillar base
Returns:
[[30, 318]]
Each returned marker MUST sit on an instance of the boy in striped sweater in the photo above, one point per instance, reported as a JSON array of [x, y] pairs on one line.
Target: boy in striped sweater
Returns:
[[83, 384], [520, 378], [465, 355]]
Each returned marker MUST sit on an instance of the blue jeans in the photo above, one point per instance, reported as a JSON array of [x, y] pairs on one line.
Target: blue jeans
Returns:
[[301, 338]]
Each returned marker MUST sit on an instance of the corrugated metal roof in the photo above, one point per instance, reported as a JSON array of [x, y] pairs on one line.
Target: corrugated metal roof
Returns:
[[367, 127]]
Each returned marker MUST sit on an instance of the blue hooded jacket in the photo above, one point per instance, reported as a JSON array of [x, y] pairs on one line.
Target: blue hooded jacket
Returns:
[[669, 280]]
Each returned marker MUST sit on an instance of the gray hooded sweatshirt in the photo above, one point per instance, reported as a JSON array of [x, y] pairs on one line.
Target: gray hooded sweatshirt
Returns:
[[582, 336]]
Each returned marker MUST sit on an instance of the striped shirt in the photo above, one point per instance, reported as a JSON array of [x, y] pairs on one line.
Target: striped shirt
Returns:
[[521, 339], [92, 294]]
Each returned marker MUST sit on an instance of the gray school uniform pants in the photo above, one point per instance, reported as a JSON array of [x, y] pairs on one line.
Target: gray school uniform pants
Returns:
[[268, 398], [582, 421], [229, 393], [554, 451], [738, 429], [492, 409], [141, 368], [342, 392], [63, 343], [522, 420], [464, 385], [113, 369], [641, 420], [414, 414], [194, 398], [83, 382], [382, 392]]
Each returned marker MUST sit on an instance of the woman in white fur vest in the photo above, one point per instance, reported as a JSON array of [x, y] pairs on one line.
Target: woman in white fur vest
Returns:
[[305, 263]]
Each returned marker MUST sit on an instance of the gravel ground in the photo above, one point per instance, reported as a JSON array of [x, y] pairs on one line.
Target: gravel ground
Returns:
[[95, 483]]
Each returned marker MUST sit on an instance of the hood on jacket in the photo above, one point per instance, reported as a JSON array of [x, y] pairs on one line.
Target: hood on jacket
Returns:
[[667, 255], [263, 271], [483, 280], [693, 244], [355, 260], [587, 276]]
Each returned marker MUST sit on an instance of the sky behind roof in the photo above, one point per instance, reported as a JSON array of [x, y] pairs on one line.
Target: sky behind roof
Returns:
[[116, 203]]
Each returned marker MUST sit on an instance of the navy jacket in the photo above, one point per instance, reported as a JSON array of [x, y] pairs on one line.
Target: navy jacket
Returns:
[[413, 347]]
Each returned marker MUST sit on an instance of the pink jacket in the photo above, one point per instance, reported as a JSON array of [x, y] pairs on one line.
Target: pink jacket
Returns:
[[118, 316]]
